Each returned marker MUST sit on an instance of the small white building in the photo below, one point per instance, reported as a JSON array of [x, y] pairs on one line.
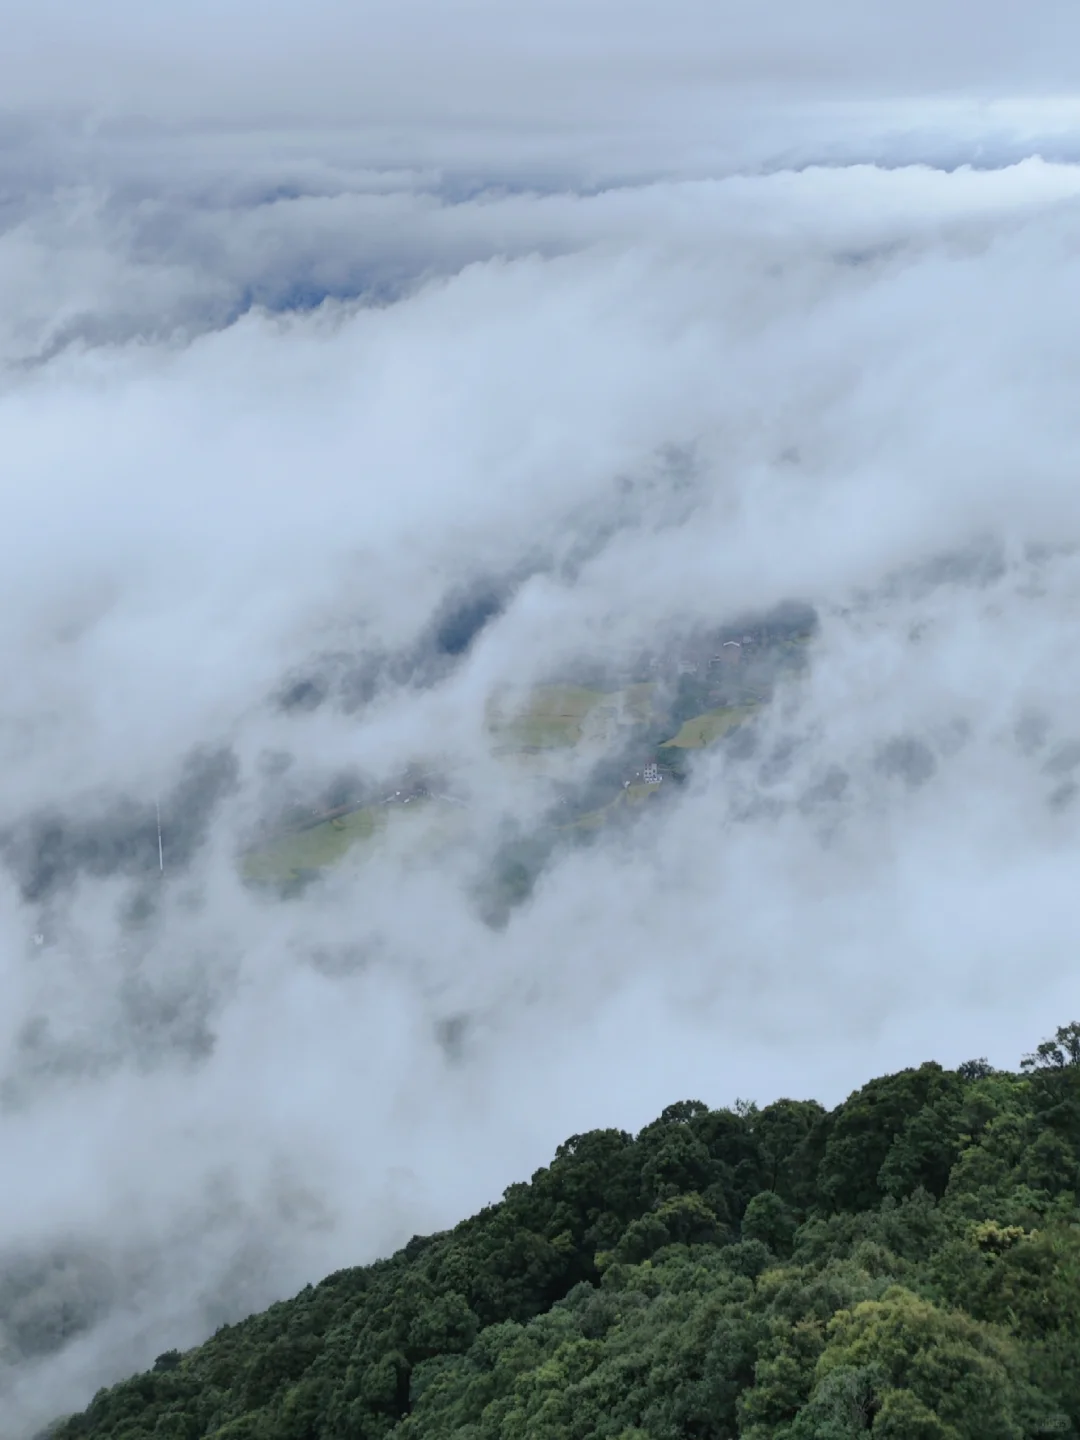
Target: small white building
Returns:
[[730, 653]]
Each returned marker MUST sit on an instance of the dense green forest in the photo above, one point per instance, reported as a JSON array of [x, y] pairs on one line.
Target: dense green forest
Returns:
[[905, 1265]]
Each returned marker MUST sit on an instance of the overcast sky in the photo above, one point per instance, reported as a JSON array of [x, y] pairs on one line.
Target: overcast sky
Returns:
[[409, 60], [637, 83], [315, 321]]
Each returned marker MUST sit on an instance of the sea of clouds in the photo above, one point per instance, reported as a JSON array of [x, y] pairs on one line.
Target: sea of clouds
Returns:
[[315, 328]]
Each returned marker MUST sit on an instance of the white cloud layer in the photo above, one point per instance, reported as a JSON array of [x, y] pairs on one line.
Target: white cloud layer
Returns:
[[282, 391]]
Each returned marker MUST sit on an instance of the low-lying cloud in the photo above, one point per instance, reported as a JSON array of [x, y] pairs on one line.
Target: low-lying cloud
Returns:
[[313, 455]]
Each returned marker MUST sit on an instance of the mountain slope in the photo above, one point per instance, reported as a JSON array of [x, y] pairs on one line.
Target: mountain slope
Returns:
[[906, 1265]]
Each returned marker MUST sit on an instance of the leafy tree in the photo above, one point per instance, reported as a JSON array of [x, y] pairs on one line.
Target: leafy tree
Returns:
[[916, 1365], [768, 1219], [1060, 1053], [893, 1135]]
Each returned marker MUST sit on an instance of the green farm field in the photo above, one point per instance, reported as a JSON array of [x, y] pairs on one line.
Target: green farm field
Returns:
[[706, 729], [289, 856], [553, 717]]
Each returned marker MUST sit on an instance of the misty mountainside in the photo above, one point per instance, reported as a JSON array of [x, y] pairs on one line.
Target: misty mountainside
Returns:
[[904, 1265], [598, 741], [637, 724]]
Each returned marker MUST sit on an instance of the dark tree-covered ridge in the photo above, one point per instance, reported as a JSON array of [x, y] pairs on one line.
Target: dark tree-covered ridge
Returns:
[[906, 1265]]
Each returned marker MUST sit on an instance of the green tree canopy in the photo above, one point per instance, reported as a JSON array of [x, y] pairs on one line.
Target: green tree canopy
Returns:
[[906, 1265]]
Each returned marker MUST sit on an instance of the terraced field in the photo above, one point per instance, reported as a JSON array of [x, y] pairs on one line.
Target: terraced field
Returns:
[[706, 729], [552, 717], [627, 798], [296, 853]]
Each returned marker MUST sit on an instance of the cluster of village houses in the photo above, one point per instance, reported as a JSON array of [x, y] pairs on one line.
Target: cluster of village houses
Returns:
[[647, 775], [730, 653]]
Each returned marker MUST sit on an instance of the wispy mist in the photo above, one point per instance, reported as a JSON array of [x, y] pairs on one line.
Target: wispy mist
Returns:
[[335, 414]]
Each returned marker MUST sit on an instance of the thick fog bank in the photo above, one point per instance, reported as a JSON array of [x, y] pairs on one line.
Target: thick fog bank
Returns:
[[305, 463]]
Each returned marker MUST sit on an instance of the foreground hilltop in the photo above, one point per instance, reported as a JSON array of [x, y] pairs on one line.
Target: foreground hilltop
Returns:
[[906, 1265]]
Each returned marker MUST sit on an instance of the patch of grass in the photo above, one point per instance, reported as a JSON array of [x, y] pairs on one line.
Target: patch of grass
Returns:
[[629, 795], [594, 819], [706, 729], [561, 716], [290, 856], [552, 717], [635, 794], [638, 699]]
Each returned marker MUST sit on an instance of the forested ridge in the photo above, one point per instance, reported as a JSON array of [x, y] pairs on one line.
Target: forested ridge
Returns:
[[905, 1265]]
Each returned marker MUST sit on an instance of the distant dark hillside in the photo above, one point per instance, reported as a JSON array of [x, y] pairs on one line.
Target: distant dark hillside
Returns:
[[906, 1266]]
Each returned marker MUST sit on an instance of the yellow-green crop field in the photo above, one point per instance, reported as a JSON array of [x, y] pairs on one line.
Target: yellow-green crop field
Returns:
[[552, 717], [702, 730], [288, 856]]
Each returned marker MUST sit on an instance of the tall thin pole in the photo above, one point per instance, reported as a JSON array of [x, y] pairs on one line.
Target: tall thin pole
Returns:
[[160, 851]]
